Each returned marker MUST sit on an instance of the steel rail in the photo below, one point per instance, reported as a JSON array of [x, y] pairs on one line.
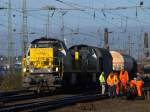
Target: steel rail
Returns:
[[9, 93], [14, 98], [69, 101], [49, 105]]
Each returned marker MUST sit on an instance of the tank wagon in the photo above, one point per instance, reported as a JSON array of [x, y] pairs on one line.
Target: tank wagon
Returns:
[[87, 63], [44, 63], [124, 61]]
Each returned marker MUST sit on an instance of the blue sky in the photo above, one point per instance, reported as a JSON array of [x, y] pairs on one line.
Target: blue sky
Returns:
[[90, 23]]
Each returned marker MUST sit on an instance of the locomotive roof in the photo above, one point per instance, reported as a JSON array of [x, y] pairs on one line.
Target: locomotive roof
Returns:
[[80, 45], [102, 52], [45, 39], [99, 51], [93, 47]]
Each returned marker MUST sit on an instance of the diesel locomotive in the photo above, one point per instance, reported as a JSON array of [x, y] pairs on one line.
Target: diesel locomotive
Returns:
[[43, 64], [87, 63]]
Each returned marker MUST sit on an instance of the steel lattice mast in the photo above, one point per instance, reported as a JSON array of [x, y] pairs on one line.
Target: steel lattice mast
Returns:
[[10, 40], [24, 28]]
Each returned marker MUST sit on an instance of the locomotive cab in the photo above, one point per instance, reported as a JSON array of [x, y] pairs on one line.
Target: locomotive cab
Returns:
[[83, 58]]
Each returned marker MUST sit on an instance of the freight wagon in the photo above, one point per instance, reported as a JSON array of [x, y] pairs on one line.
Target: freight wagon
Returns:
[[124, 61]]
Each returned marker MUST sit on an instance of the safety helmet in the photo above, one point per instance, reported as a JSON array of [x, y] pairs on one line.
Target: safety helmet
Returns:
[[122, 67], [137, 74], [113, 67]]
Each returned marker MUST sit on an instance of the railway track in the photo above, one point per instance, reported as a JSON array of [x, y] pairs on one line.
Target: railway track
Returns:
[[49, 104], [9, 93], [45, 101], [20, 97]]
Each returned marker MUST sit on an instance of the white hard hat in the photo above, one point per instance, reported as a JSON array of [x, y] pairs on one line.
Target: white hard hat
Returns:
[[137, 73]]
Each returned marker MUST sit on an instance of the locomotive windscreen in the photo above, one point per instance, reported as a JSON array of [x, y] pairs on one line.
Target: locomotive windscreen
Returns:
[[47, 44]]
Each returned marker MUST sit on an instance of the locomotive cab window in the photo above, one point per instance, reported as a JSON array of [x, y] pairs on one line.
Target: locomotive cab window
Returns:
[[47, 45]]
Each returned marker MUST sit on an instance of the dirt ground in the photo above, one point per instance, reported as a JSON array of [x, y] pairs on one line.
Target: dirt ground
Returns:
[[109, 105]]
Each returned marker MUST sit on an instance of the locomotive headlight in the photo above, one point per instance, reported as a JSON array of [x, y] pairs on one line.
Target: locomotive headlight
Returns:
[[24, 69], [41, 75], [49, 70], [94, 56], [63, 51], [31, 70], [56, 69]]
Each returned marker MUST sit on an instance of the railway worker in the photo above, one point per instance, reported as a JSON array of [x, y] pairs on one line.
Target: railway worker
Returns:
[[124, 79], [132, 85], [116, 81], [112, 81], [110, 84], [102, 82], [139, 84]]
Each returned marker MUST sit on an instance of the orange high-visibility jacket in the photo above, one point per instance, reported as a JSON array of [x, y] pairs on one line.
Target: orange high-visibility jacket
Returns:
[[132, 83], [124, 77], [116, 80], [139, 85], [112, 79]]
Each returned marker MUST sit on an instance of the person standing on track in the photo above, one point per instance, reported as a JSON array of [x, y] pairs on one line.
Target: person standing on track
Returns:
[[112, 81], [124, 78], [133, 89], [139, 84], [102, 83], [116, 81]]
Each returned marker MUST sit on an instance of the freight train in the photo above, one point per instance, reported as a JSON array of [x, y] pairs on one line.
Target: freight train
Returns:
[[48, 63]]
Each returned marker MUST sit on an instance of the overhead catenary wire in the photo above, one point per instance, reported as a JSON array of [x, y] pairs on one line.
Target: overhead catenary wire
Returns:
[[94, 12], [92, 8], [108, 9], [91, 15], [84, 11], [78, 6], [105, 9], [18, 10]]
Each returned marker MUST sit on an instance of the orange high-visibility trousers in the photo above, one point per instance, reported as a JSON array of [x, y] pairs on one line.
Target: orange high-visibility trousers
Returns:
[[132, 83], [139, 85]]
